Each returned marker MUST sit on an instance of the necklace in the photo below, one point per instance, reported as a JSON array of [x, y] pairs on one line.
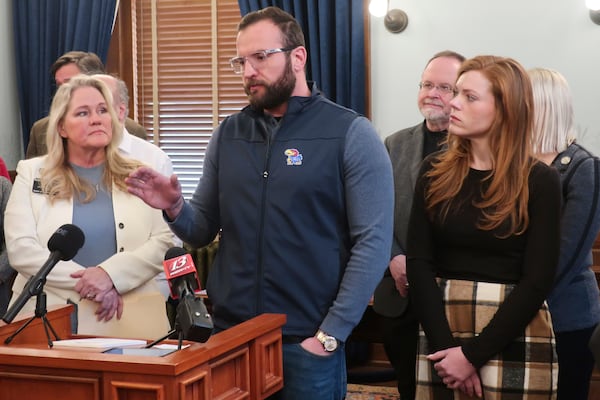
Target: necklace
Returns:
[[93, 176]]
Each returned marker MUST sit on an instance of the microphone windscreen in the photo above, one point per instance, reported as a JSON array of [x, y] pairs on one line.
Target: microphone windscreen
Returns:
[[174, 252], [67, 240]]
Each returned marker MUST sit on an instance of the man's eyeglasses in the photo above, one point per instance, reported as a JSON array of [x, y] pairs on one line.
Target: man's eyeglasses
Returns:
[[257, 60], [444, 89]]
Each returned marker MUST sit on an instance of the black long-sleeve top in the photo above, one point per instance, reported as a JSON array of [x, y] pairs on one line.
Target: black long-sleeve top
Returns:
[[457, 249]]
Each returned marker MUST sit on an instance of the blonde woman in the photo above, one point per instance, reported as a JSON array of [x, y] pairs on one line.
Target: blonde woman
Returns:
[[81, 181], [573, 303]]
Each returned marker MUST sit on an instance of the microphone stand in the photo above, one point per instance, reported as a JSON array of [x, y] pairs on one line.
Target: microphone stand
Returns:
[[177, 330], [40, 312]]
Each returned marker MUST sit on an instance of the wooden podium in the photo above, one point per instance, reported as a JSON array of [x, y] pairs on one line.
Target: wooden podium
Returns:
[[243, 362]]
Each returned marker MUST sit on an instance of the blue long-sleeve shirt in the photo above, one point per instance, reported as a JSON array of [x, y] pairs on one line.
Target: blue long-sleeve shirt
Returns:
[[305, 205]]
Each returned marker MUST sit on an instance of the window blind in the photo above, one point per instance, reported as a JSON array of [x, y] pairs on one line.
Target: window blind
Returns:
[[183, 84]]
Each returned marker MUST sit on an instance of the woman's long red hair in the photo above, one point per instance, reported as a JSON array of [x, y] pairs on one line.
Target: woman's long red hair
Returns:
[[506, 197]]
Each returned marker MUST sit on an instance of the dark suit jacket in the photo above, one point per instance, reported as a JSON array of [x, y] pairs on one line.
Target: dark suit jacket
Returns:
[[37, 136], [405, 148]]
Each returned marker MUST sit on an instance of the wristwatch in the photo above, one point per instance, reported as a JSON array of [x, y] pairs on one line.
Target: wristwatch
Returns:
[[329, 342]]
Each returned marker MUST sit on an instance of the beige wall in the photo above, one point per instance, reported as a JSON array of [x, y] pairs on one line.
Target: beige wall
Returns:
[[538, 33]]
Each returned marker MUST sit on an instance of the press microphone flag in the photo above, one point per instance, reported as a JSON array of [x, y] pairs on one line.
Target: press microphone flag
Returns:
[[63, 245], [193, 319], [179, 268]]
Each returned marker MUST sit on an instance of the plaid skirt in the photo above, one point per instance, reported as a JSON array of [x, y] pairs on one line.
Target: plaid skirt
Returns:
[[526, 369]]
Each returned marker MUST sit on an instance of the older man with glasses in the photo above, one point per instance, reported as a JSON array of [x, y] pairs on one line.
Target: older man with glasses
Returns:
[[407, 148]]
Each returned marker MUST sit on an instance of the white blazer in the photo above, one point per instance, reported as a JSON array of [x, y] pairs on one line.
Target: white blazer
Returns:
[[142, 236]]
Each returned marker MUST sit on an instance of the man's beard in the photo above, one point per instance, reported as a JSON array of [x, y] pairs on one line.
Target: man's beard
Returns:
[[275, 94], [434, 115]]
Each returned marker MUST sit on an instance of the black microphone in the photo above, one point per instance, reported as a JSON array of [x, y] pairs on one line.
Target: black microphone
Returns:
[[63, 245], [192, 316]]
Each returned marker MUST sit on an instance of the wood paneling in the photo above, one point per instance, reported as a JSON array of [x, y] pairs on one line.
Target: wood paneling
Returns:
[[243, 362]]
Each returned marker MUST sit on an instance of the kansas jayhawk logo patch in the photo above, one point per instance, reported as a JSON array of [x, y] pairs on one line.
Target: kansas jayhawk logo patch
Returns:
[[293, 157]]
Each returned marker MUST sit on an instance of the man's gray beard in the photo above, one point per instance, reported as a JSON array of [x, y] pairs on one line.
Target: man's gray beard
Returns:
[[435, 117]]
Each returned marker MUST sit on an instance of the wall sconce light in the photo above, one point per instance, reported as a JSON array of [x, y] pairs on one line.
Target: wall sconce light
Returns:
[[594, 6], [395, 20]]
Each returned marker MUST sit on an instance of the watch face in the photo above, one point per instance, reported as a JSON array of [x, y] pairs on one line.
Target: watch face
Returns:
[[330, 343]]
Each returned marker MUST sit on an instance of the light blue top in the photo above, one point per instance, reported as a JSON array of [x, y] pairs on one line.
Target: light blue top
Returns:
[[96, 220]]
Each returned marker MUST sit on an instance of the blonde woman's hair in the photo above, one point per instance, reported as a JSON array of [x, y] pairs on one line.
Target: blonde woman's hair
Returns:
[[58, 178], [504, 201], [553, 122]]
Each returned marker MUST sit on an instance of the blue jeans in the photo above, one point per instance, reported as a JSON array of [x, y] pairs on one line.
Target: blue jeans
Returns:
[[307, 376]]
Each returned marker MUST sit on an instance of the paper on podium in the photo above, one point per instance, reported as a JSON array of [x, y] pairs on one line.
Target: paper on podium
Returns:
[[144, 316], [151, 352], [98, 343]]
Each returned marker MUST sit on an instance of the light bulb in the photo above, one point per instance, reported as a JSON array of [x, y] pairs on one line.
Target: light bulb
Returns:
[[378, 8], [593, 4]]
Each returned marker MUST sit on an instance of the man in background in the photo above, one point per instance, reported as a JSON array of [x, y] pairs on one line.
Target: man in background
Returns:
[[132, 146], [139, 149], [407, 148], [63, 69]]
